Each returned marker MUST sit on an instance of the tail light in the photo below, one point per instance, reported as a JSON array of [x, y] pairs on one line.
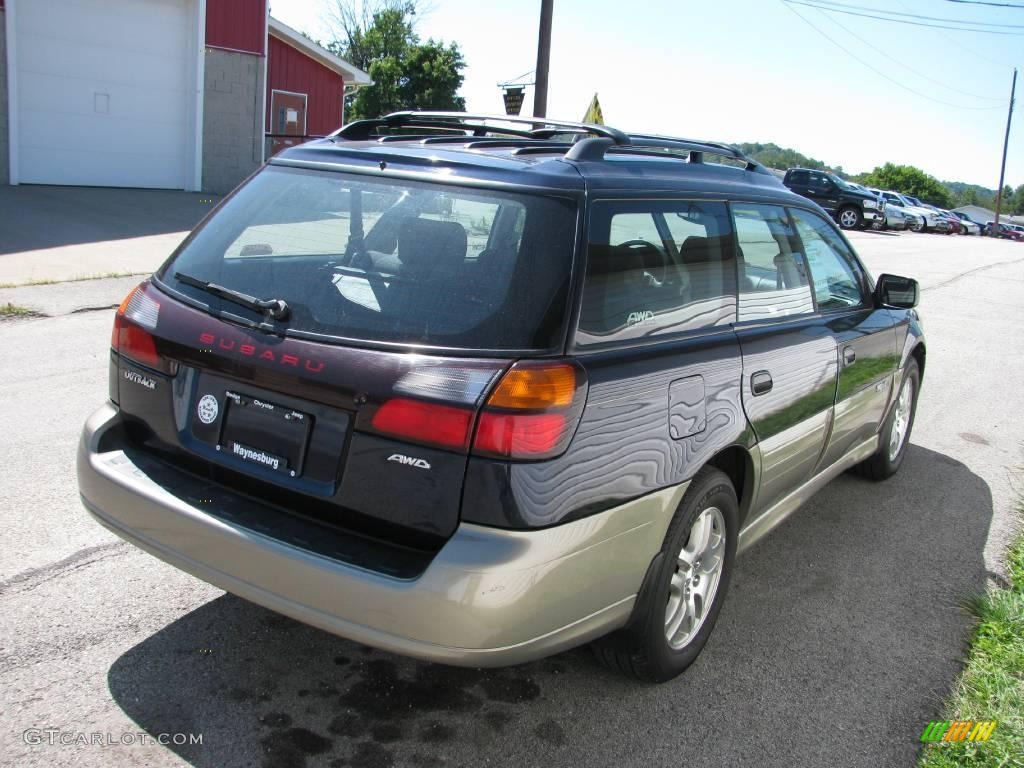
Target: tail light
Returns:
[[532, 413], [441, 425], [131, 337]]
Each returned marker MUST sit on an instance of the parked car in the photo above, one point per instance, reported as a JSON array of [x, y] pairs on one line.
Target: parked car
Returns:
[[954, 225], [1007, 232], [387, 388], [970, 227], [880, 223], [896, 216], [851, 208], [929, 219]]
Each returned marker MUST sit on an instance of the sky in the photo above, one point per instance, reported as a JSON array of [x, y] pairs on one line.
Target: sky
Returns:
[[753, 70]]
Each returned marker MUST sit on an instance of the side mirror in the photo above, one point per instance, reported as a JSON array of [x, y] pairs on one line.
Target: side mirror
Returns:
[[896, 292]]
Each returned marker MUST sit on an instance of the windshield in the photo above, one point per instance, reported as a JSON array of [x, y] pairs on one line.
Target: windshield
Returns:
[[388, 260], [843, 184]]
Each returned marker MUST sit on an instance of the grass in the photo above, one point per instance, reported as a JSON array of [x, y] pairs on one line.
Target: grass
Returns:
[[78, 279], [991, 686], [13, 310]]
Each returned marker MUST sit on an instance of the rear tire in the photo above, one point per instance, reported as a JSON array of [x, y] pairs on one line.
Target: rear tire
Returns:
[[687, 582], [894, 437], [850, 218]]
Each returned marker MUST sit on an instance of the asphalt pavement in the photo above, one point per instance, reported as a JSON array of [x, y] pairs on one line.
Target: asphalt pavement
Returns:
[[842, 632]]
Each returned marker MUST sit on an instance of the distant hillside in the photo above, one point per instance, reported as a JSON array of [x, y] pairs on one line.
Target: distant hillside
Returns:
[[774, 156], [971, 194]]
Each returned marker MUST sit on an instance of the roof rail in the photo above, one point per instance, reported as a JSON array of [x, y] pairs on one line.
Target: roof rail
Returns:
[[540, 127], [640, 143], [590, 142]]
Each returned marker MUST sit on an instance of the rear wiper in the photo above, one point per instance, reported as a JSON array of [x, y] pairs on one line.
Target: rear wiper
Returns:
[[274, 308]]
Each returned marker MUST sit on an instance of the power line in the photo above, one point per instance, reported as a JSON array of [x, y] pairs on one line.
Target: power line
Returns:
[[959, 44], [919, 16], [993, 5], [904, 21], [880, 73], [910, 68]]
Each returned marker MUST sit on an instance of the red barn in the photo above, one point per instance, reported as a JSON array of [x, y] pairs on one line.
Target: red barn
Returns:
[[198, 107], [305, 86]]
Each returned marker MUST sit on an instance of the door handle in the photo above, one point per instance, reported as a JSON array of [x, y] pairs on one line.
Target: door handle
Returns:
[[849, 355], [760, 383]]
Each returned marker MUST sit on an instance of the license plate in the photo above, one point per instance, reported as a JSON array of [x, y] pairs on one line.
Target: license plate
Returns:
[[264, 433]]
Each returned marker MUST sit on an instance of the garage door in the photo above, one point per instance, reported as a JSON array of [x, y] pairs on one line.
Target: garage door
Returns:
[[103, 92]]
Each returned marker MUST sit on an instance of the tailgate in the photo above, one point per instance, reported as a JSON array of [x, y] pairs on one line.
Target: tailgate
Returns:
[[295, 420]]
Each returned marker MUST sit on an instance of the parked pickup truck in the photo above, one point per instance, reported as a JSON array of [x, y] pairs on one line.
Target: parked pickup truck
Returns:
[[851, 208]]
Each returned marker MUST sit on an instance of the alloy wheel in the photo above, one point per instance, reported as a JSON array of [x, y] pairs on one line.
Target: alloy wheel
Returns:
[[901, 419], [694, 583]]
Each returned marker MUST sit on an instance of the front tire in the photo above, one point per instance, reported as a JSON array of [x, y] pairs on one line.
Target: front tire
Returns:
[[894, 437], [683, 593], [850, 218]]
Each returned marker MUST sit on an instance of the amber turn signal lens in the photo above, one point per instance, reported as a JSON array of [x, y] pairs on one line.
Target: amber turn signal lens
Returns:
[[535, 387]]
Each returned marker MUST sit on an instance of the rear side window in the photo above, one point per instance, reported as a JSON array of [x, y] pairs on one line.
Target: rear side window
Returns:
[[656, 267], [772, 273], [390, 261]]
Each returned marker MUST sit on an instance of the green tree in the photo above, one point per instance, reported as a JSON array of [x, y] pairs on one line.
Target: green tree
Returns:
[[911, 181], [1016, 203], [380, 38]]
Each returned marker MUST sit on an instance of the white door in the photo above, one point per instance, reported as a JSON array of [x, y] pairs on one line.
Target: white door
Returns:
[[104, 94]]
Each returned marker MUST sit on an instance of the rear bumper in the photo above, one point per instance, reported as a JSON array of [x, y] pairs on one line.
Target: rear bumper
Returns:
[[489, 597]]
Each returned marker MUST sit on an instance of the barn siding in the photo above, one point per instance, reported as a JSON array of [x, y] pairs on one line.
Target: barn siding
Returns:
[[237, 25], [291, 70]]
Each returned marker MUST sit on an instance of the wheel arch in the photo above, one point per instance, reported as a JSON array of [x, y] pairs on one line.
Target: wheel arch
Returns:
[[737, 463], [918, 353]]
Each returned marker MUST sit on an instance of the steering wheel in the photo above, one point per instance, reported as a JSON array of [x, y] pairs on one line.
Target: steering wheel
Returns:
[[643, 246]]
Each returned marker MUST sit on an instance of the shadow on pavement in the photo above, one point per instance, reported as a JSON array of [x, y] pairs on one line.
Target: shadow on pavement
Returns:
[[34, 217], [840, 636]]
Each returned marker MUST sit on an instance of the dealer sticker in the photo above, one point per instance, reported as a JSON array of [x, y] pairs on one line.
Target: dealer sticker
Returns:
[[207, 409]]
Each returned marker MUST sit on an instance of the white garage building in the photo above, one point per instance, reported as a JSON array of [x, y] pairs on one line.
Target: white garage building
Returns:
[[165, 94]]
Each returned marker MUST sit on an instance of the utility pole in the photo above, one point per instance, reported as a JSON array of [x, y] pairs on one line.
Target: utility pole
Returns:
[[1006, 142], [540, 93]]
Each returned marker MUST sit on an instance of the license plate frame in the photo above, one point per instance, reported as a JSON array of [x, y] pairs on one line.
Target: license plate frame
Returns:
[[265, 434]]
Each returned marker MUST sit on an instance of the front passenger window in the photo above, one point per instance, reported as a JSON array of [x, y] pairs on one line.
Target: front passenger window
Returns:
[[837, 283], [773, 274]]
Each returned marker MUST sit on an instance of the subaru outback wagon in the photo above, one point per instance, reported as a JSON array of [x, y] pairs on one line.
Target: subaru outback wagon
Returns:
[[478, 394]]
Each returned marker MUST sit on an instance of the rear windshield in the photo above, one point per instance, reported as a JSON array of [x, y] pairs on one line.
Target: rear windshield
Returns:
[[389, 261]]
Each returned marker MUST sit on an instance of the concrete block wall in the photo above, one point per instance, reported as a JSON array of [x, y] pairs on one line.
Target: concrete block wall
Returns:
[[4, 146], [232, 118]]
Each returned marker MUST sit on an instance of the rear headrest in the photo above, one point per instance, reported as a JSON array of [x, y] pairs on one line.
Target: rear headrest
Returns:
[[606, 259], [697, 250], [426, 246]]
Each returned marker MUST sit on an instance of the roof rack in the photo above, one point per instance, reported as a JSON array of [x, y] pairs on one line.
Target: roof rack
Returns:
[[589, 142], [540, 127]]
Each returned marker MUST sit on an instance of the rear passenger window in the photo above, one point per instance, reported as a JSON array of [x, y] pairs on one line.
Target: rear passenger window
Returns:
[[772, 272], [837, 283], [656, 267]]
